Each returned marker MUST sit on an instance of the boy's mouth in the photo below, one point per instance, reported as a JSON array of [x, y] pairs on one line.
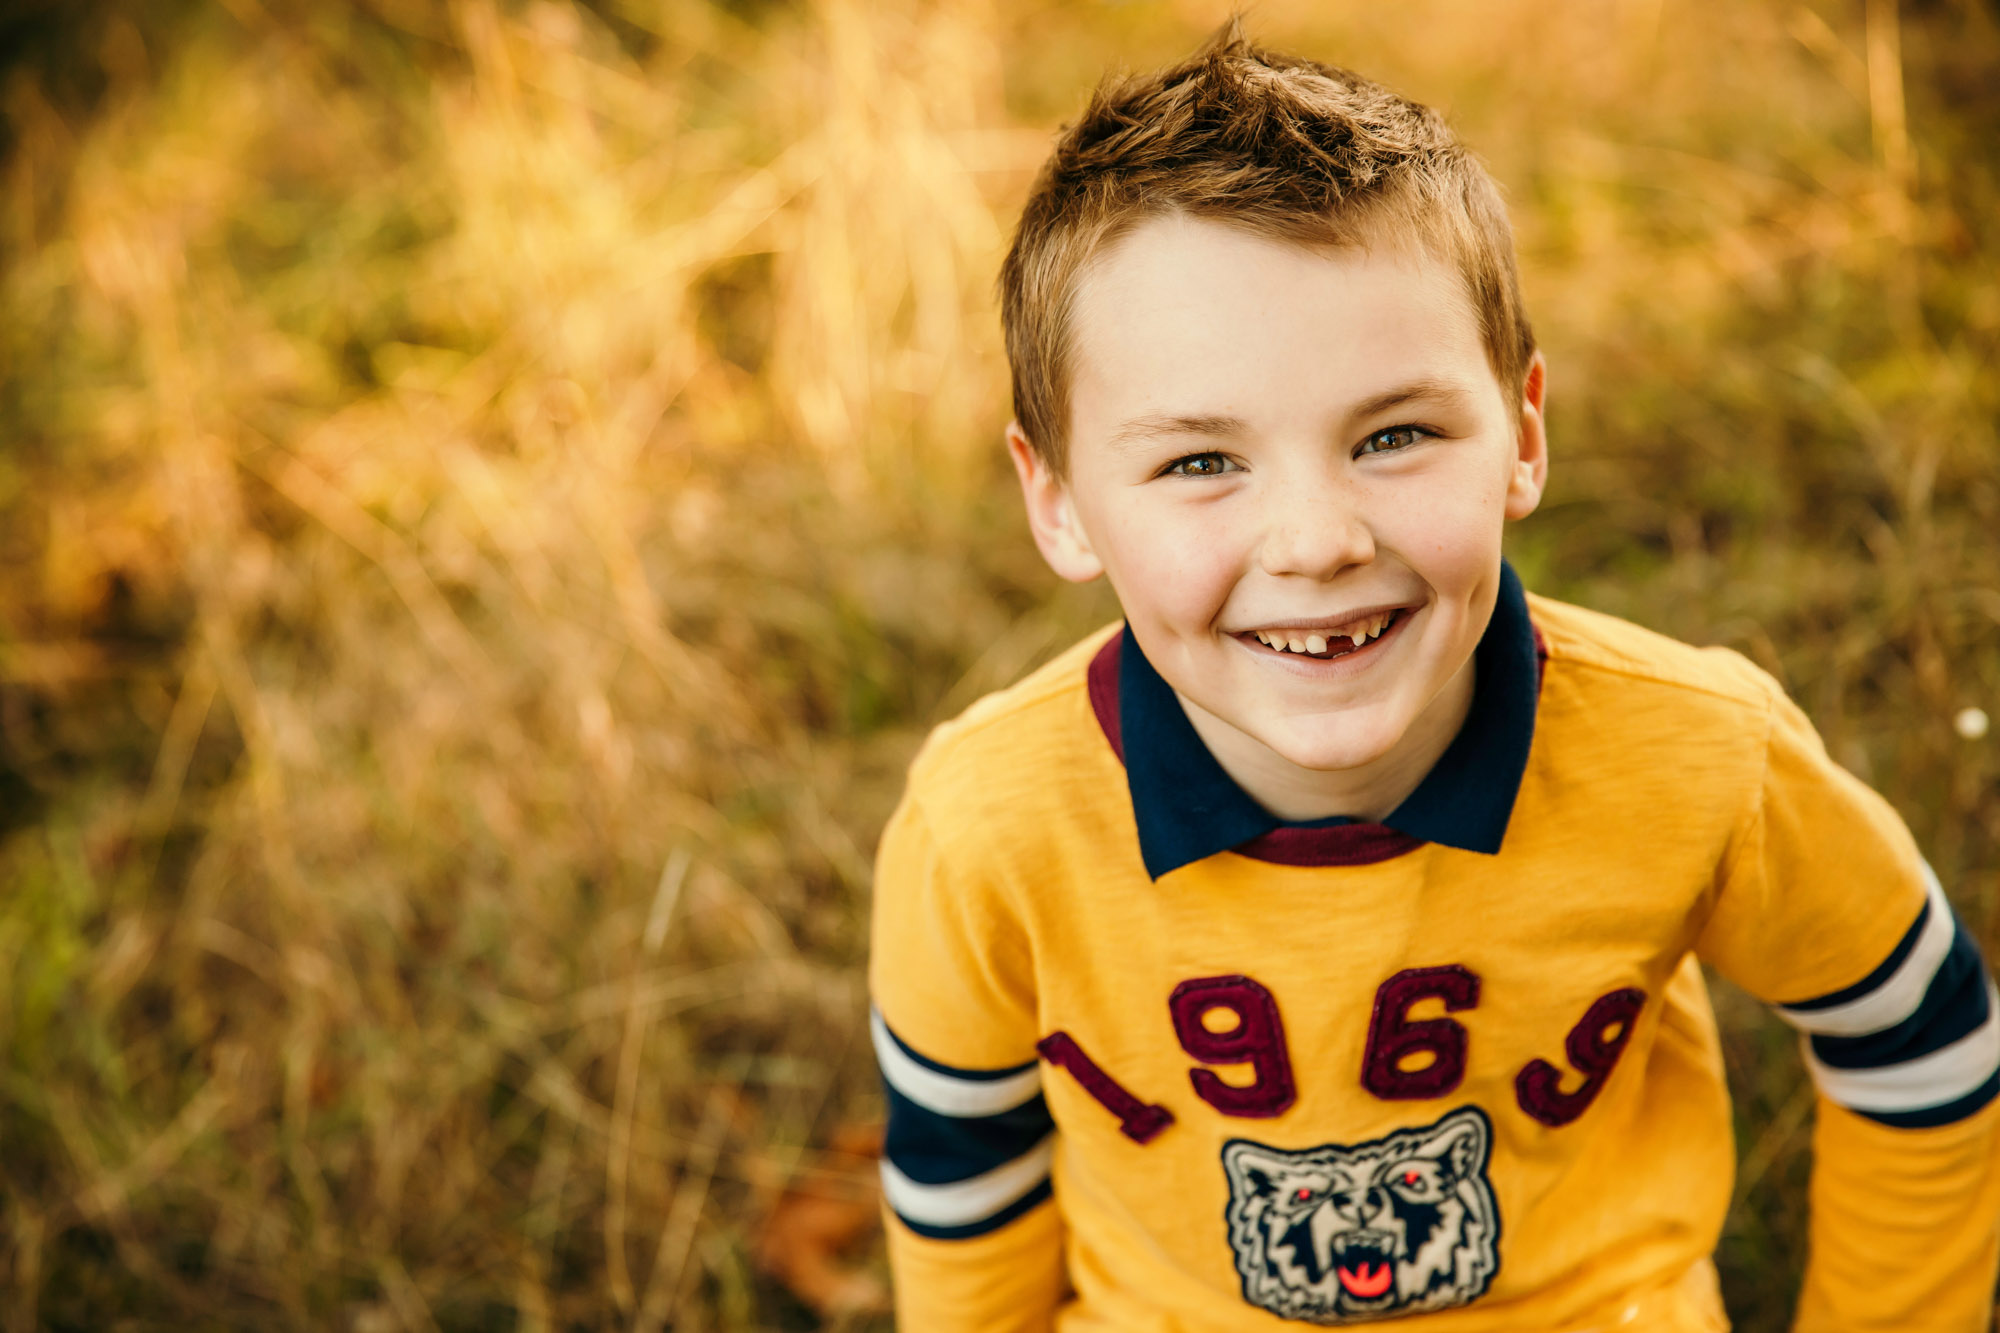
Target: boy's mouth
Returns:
[[1325, 644]]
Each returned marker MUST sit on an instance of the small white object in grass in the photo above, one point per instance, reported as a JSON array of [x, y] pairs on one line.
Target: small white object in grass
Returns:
[[1971, 723]]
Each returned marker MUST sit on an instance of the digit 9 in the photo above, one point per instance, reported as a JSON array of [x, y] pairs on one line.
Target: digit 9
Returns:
[[1538, 1087], [1257, 1039]]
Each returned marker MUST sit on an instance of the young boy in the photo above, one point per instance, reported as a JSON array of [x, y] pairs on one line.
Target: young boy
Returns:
[[1322, 944]]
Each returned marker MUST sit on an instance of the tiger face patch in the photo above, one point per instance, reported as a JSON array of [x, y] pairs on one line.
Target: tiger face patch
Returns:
[[1345, 1233]]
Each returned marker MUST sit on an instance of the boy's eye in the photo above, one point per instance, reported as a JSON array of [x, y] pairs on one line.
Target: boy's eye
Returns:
[[1388, 441], [1200, 465]]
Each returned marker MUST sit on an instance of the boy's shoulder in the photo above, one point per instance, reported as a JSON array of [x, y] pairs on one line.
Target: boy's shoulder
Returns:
[[1607, 655], [1630, 721]]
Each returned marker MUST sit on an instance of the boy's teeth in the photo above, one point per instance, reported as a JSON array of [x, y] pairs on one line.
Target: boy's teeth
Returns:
[[1357, 633]]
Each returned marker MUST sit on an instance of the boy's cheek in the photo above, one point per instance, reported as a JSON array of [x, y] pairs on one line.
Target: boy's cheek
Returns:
[[1178, 573], [1451, 541]]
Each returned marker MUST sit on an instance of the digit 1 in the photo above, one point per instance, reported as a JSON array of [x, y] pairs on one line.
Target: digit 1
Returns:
[[1538, 1086], [1257, 1039], [1394, 1038], [1138, 1121]]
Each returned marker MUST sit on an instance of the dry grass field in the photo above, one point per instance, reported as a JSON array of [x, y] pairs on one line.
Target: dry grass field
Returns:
[[492, 493]]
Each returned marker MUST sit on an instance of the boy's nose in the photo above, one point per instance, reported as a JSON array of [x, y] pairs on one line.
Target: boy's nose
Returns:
[[1313, 531]]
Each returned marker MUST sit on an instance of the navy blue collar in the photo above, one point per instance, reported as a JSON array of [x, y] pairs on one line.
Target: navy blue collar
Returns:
[[1187, 808]]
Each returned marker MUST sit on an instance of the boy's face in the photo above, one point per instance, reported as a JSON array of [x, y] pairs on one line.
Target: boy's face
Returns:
[[1270, 442]]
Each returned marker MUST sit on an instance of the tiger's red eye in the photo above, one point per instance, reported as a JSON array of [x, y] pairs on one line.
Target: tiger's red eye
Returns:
[[1410, 1177], [1301, 1195]]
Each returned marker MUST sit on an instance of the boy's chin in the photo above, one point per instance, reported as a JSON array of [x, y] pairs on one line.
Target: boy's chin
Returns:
[[1339, 747]]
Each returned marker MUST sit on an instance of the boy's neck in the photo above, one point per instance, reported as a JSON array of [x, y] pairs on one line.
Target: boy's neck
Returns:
[[1369, 792]]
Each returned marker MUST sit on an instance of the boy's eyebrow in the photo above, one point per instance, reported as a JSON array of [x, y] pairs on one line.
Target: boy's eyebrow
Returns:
[[1167, 423], [1443, 392]]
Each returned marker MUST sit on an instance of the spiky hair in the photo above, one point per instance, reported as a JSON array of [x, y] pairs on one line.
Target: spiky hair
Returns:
[[1275, 144]]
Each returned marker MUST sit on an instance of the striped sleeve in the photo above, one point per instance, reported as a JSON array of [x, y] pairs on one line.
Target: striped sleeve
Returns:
[[1826, 910], [975, 1238], [968, 1150], [1915, 1043]]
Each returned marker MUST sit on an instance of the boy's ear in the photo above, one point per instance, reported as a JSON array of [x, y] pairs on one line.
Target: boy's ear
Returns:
[[1051, 513], [1531, 459]]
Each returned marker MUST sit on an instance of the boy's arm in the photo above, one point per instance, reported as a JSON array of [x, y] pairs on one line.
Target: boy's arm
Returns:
[[1009, 1281], [1905, 1190], [975, 1242], [1827, 910], [1903, 1233]]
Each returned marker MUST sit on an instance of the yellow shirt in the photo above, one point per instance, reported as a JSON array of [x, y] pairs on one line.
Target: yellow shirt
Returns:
[[1157, 1063]]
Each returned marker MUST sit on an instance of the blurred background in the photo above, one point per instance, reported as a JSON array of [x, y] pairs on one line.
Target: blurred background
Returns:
[[493, 492]]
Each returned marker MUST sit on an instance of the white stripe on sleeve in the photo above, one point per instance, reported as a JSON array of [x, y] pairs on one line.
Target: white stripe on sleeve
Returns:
[[937, 1091], [965, 1202], [1930, 1080]]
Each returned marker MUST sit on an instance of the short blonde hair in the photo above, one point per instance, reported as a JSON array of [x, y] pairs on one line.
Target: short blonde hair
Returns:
[[1278, 145]]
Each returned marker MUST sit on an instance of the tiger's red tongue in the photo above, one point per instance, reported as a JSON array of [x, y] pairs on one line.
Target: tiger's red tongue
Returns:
[[1365, 1282]]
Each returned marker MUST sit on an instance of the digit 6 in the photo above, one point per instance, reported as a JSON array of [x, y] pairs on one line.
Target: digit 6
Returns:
[[1257, 1039], [1393, 1038]]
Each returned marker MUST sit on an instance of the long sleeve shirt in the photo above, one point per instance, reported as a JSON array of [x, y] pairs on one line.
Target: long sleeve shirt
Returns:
[[1158, 1062]]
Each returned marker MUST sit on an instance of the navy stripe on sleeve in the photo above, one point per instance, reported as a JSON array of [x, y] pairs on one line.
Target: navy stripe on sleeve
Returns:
[[934, 1149], [1954, 1005]]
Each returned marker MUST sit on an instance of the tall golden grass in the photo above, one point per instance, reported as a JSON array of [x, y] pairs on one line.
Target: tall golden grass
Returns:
[[493, 494]]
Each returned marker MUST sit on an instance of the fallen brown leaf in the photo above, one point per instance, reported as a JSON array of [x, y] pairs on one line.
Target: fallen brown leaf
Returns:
[[807, 1240]]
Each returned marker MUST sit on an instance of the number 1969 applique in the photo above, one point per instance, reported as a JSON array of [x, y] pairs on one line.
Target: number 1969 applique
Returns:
[[1405, 1059]]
